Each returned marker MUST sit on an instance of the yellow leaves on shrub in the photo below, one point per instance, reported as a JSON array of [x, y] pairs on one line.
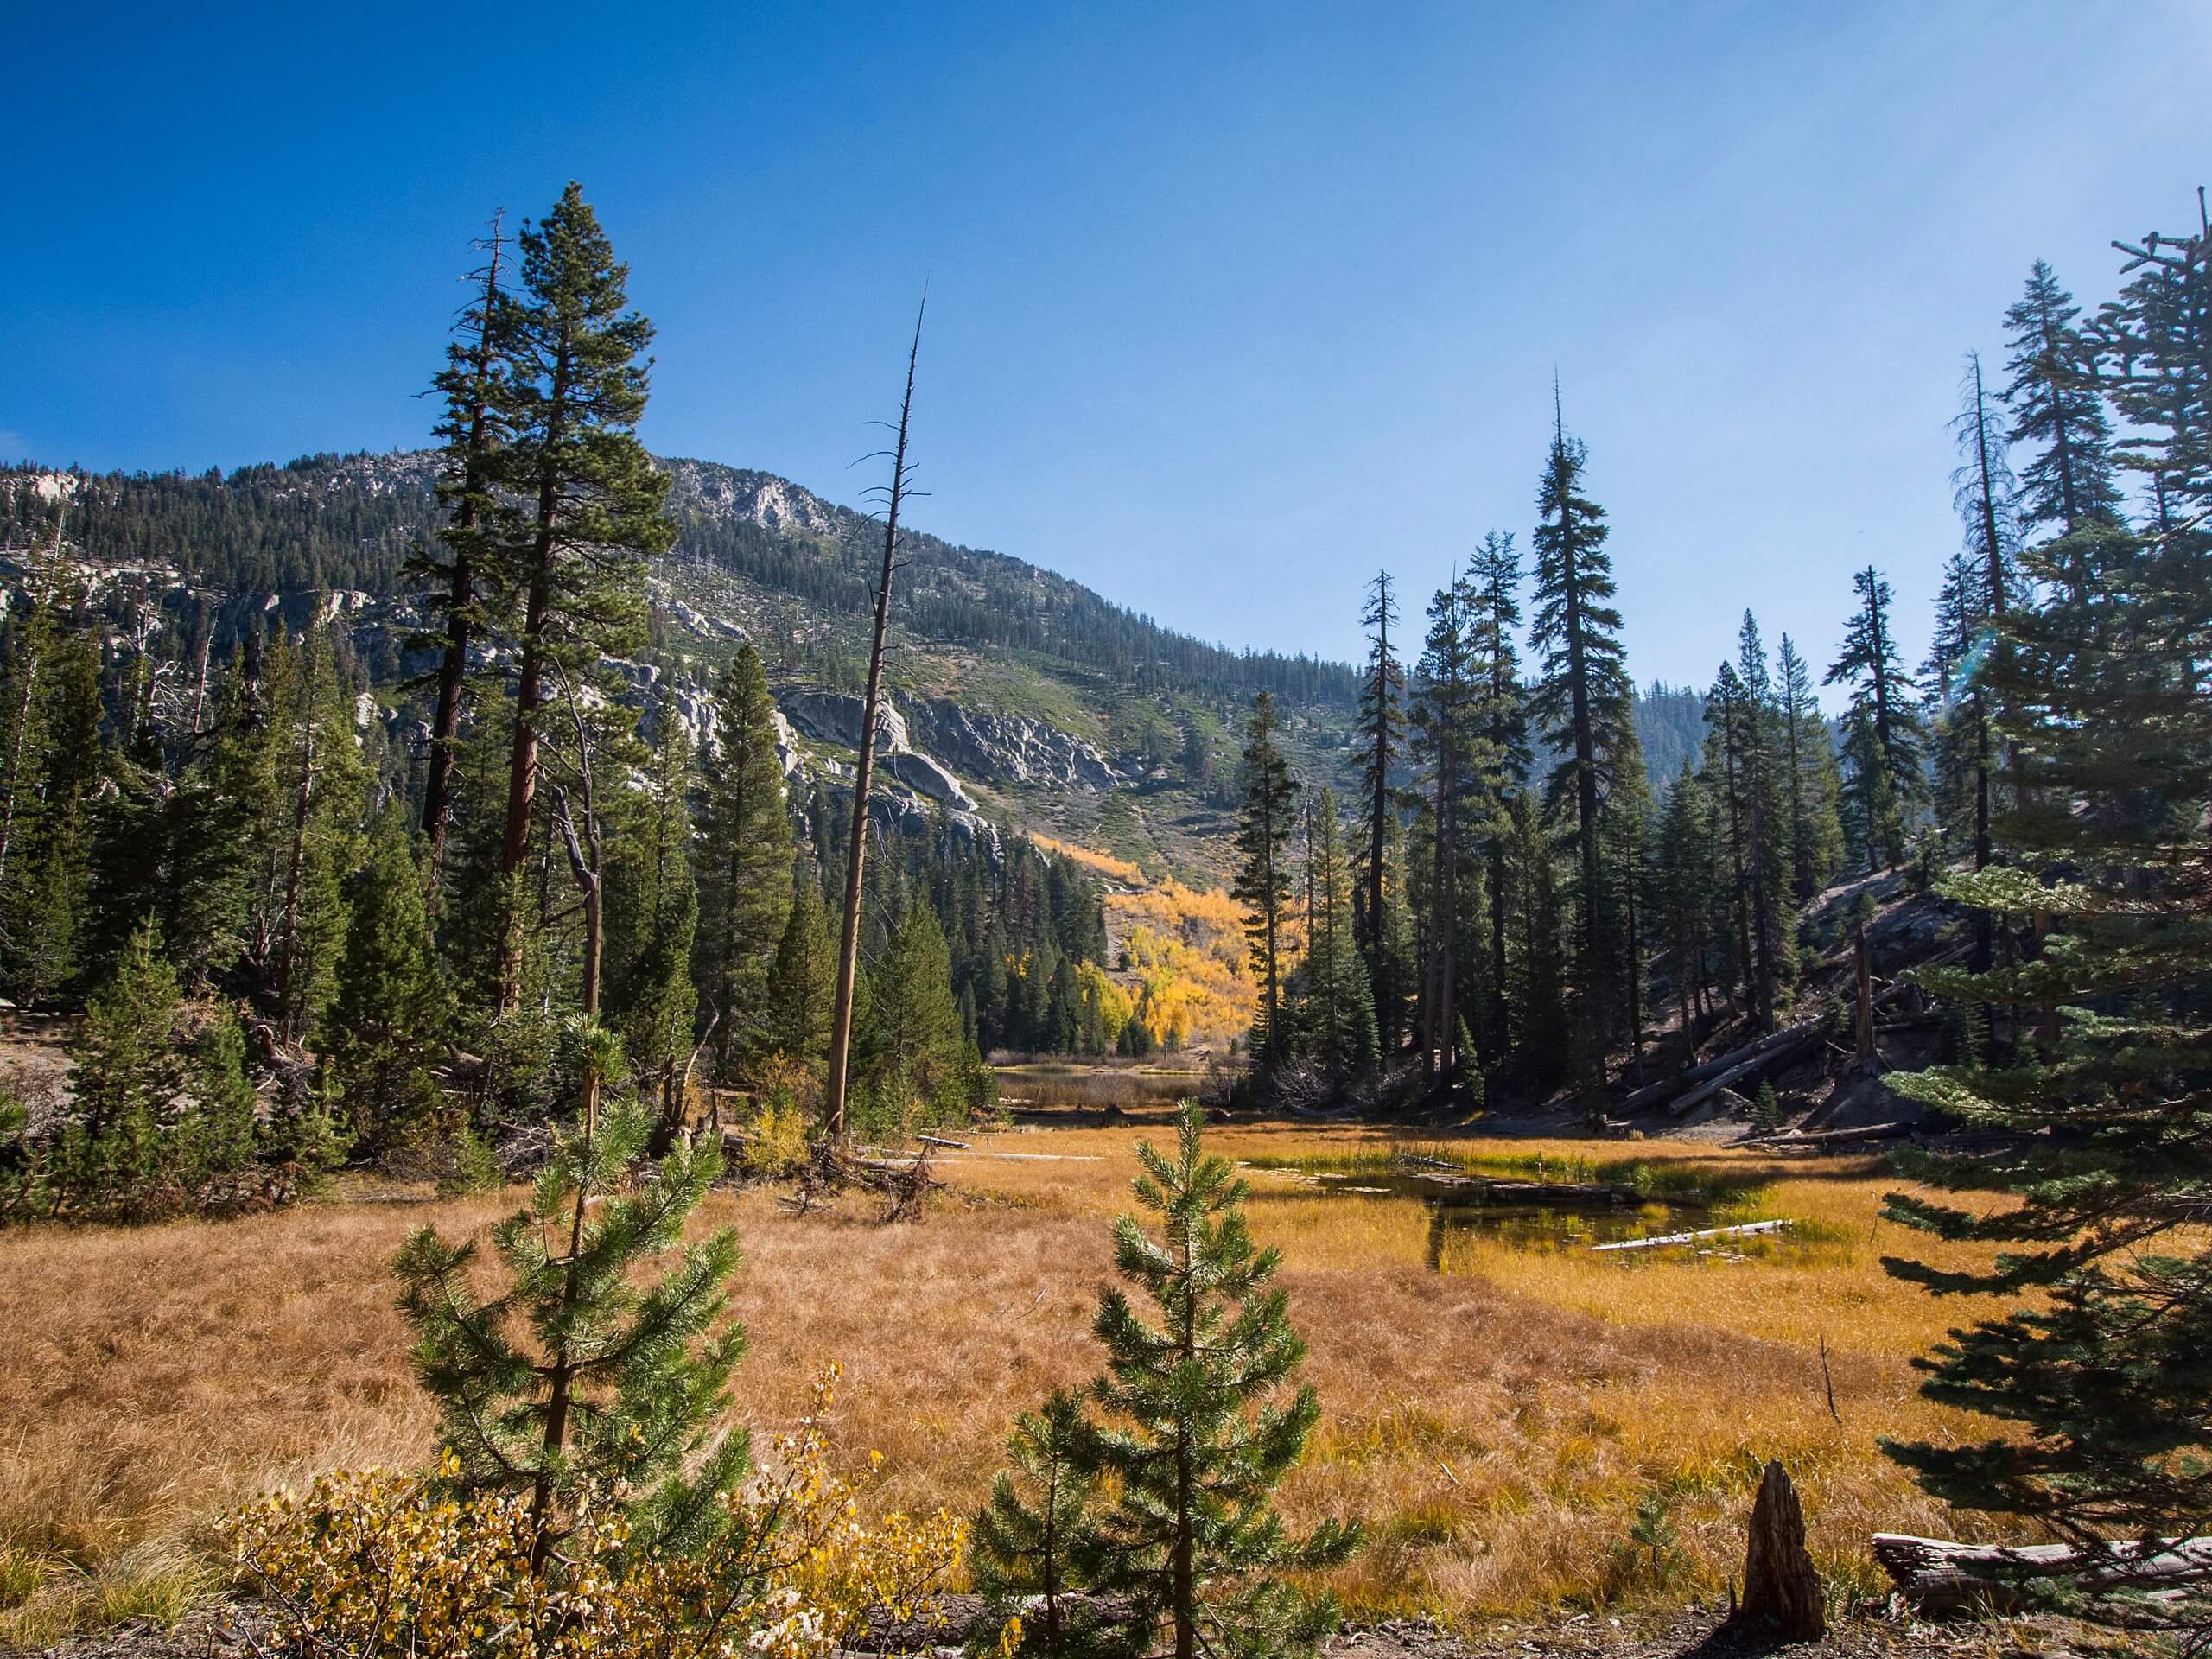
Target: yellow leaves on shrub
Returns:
[[1121, 870], [1114, 1003], [374, 1563]]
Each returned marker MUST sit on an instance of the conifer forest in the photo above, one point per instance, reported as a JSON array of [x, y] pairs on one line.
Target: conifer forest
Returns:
[[604, 1054]]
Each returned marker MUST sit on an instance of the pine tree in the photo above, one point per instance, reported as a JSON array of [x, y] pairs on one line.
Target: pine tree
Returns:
[[1192, 1539], [652, 921], [1762, 859], [915, 1022], [220, 1128], [744, 857], [1582, 704], [1494, 577], [1813, 783], [1338, 1020], [384, 1036], [1447, 705], [1263, 884], [1884, 732], [617, 1388], [1681, 900], [1382, 729], [2100, 1367], [800, 985], [1034, 1546], [315, 768], [572, 390], [1538, 950], [2056, 407], [125, 1072], [471, 429]]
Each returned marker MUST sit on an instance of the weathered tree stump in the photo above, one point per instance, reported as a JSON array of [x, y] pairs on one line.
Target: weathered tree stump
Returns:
[[1781, 1591]]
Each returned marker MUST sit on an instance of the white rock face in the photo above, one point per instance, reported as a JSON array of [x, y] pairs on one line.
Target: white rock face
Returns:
[[707, 628], [827, 717], [786, 743], [773, 503], [926, 778], [1008, 748]]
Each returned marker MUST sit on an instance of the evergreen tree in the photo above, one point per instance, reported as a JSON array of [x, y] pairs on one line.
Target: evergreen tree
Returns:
[[1034, 1546], [1338, 1020], [1494, 577], [1382, 729], [915, 1022], [572, 388], [1538, 950], [1812, 781], [2102, 1089], [1192, 1540], [1582, 701], [1747, 721], [798, 988], [617, 1387], [1263, 884], [315, 765], [125, 1072], [1684, 885], [744, 857], [652, 921], [2057, 408], [384, 1036], [471, 429], [1447, 704], [1884, 732]]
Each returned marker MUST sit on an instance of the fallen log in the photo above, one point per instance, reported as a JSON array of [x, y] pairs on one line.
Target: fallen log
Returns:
[[1574, 1194], [1801, 1038], [1734, 1057], [1652, 1094], [941, 1140], [1830, 1137], [1739, 1230], [1936, 1576]]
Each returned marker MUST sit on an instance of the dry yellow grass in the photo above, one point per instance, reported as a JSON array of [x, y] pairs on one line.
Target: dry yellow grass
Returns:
[[1496, 1423]]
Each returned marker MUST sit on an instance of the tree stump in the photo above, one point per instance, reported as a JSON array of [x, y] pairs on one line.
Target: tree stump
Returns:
[[1781, 1592]]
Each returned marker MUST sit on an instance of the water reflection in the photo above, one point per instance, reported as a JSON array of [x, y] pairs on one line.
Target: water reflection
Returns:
[[1457, 1211]]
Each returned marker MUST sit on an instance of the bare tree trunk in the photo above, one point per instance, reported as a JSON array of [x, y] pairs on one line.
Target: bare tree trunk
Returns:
[[848, 941]]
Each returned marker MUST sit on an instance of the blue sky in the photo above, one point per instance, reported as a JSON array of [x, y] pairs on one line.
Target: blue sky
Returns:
[[1229, 304]]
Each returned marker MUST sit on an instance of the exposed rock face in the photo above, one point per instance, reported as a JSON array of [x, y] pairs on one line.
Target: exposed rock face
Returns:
[[900, 813], [926, 778], [1007, 748], [786, 743], [707, 628], [828, 718], [771, 502]]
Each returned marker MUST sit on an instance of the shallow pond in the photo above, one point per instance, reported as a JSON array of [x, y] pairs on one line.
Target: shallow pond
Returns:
[[1461, 1207]]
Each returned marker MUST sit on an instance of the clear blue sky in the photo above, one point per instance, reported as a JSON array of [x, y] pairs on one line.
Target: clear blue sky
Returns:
[[1229, 303]]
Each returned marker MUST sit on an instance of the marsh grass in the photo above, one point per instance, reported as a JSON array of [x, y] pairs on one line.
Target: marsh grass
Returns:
[[1498, 1422]]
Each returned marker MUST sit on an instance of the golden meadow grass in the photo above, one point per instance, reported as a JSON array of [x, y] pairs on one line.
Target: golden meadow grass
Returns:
[[1496, 1423]]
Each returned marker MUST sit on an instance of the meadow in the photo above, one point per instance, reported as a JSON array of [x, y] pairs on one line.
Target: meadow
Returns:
[[1517, 1426]]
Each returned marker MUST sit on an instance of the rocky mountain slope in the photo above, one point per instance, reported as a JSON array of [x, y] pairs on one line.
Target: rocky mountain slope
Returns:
[[1019, 698]]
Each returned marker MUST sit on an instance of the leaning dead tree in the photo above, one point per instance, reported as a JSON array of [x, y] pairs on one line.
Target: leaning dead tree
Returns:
[[848, 942]]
